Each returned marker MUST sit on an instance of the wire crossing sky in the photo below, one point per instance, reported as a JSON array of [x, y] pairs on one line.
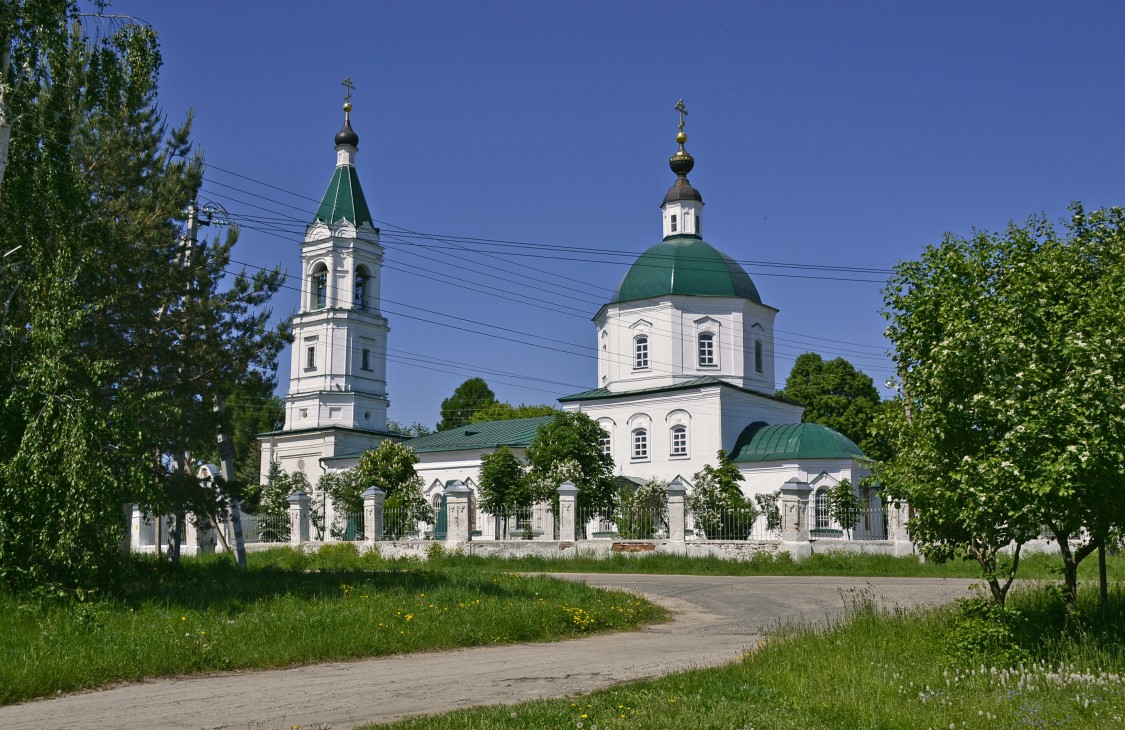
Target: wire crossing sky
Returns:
[[515, 154]]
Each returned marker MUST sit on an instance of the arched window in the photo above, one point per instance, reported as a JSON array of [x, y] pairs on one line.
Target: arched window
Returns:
[[435, 503], [360, 297], [706, 350], [319, 287], [679, 441], [640, 352], [758, 355], [606, 443], [640, 443], [822, 519]]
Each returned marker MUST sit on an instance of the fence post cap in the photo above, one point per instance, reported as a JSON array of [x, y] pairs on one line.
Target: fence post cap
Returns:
[[676, 487], [795, 486], [298, 497], [373, 492], [456, 486], [567, 489]]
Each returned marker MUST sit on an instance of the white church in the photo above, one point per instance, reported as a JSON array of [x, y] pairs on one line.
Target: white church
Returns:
[[685, 363]]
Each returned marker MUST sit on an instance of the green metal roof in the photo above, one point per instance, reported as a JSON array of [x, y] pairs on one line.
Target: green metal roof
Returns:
[[760, 442], [517, 432], [344, 199], [702, 381], [685, 265]]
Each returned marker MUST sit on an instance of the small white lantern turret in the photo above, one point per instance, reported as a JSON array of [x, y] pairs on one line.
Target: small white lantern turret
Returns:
[[682, 208]]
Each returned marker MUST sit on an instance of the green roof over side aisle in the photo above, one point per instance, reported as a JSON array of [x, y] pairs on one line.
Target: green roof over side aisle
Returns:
[[759, 442], [685, 265], [517, 432], [344, 199]]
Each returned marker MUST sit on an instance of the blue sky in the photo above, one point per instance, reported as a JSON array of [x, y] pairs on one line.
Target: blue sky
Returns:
[[825, 133]]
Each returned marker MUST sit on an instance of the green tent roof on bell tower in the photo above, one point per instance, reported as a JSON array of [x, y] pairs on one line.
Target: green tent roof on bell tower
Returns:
[[344, 199]]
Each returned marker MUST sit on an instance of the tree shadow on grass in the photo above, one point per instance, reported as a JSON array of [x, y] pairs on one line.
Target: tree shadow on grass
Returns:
[[1051, 631], [215, 584]]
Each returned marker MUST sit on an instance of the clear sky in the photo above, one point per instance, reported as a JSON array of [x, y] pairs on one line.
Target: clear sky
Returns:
[[826, 134]]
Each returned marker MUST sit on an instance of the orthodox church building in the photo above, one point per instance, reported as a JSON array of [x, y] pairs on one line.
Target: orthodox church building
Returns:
[[685, 362]]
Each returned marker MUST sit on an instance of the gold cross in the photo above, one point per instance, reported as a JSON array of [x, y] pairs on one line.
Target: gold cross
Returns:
[[683, 112], [347, 84]]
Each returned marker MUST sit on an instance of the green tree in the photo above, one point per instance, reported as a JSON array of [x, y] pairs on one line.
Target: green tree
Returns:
[[717, 503], [838, 396], [111, 373], [642, 509], [1013, 392], [506, 412], [568, 447], [468, 398], [414, 430], [391, 468], [844, 506], [503, 484]]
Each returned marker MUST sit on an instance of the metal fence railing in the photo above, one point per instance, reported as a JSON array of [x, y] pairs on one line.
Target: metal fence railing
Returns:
[[866, 523], [623, 523], [402, 523], [265, 528]]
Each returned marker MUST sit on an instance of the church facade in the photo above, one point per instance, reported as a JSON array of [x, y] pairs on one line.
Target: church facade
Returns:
[[685, 363]]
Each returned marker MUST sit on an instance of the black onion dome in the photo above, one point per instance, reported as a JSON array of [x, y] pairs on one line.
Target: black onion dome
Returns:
[[682, 190], [347, 135]]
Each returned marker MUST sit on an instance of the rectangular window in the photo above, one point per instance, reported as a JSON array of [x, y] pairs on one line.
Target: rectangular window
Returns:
[[673, 223], [640, 353], [366, 360], [706, 350], [605, 443], [310, 358], [640, 444], [679, 441], [758, 355]]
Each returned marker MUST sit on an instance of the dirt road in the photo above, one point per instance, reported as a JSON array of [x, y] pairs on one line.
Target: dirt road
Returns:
[[714, 619]]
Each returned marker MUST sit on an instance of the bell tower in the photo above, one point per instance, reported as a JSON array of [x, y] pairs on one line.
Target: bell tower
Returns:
[[337, 400]]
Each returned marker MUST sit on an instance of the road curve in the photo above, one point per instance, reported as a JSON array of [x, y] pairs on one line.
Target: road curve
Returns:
[[714, 620]]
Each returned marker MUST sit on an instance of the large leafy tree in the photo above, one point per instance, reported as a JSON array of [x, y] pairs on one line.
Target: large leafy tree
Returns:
[[390, 468], [568, 447], [117, 336], [716, 500], [1013, 391], [469, 397], [838, 396]]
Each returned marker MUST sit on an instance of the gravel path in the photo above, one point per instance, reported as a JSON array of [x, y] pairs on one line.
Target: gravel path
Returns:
[[714, 620]]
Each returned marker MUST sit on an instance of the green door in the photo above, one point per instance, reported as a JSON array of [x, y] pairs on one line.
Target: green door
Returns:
[[442, 526]]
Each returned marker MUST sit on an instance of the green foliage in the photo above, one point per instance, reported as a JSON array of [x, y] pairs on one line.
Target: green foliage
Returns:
[[717, 504], [390, 468], [769, 504], [985, 633], [568, 447], [838, 396], [468, 398], [501, 411], [414, 430], [1014, 391], [642, 510], [844, 505], [503, 482]]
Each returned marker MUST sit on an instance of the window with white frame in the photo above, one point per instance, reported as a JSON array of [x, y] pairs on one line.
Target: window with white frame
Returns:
[[707, 350], [640, 352], [822, 518], [606, 443], [679, 440], [640, 444], [310, 357], [673, 223]]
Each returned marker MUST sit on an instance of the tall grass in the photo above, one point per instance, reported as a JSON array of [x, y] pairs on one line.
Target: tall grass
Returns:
[[879, 669], [287, 609]]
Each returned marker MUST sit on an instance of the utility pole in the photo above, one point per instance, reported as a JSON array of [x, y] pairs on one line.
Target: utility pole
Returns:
[[226, 444]]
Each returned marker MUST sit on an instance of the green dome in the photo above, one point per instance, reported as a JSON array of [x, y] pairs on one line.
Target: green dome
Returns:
[[685, 265], [759, 442]]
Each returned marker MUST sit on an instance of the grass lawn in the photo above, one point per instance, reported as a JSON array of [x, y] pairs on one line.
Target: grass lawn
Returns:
[[287, 609], [879, 669], [1032, 565]]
